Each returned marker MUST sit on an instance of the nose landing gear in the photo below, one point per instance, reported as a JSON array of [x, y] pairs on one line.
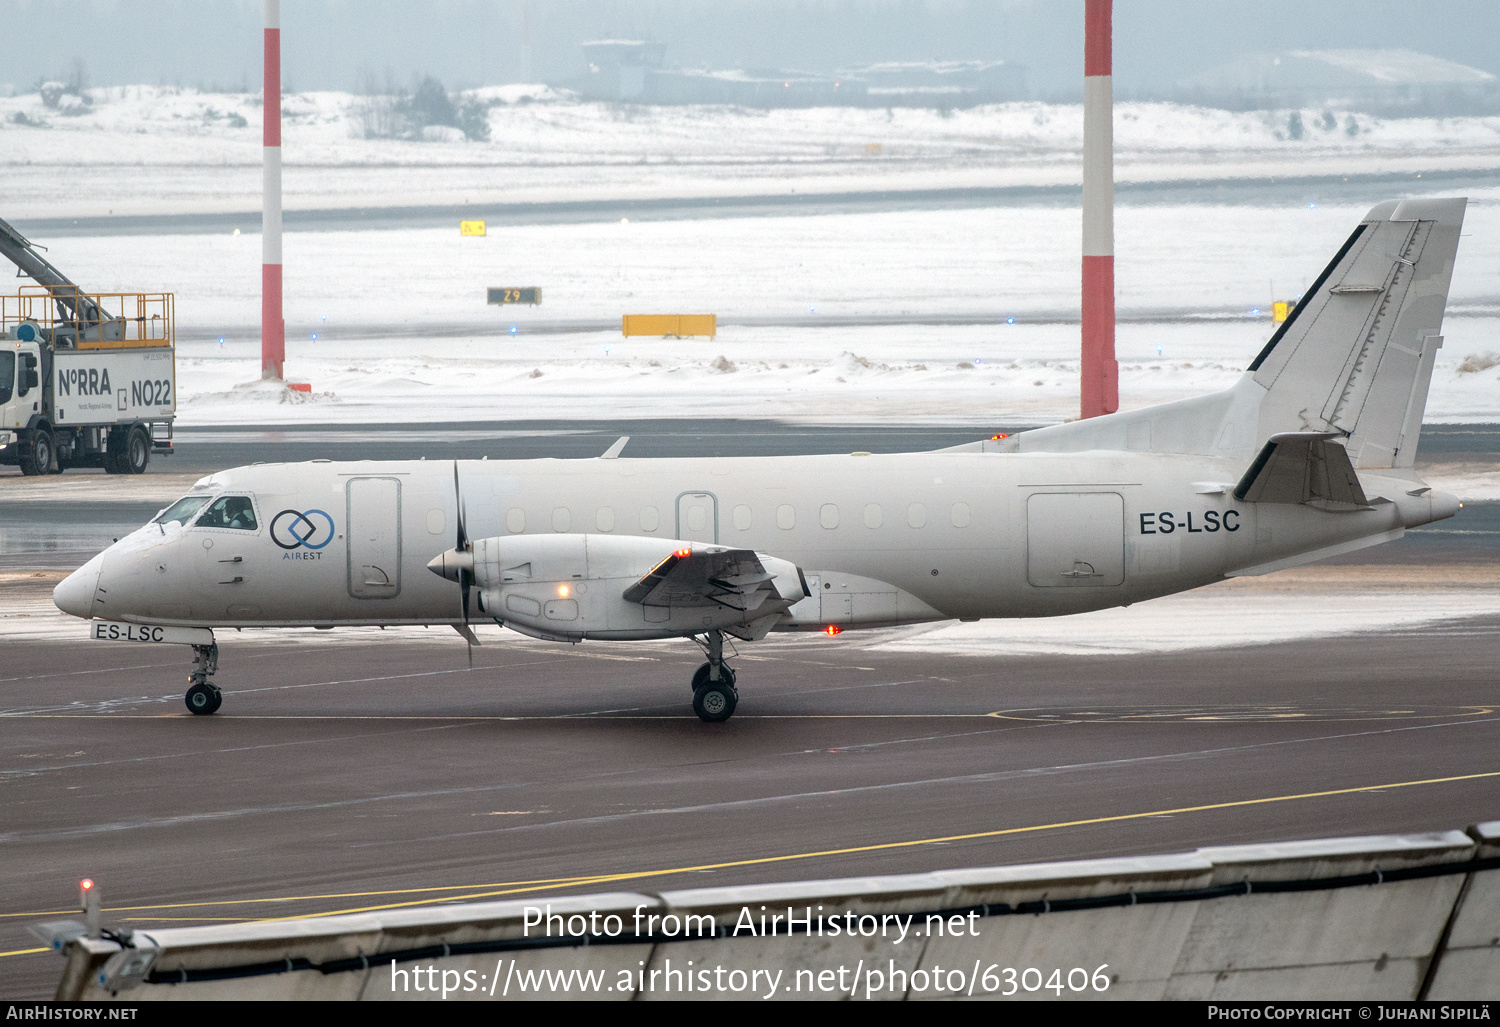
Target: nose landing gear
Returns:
[[714, 694], [203, 696]]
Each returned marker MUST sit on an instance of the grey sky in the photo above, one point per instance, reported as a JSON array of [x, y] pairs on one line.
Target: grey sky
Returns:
[[334, 44]]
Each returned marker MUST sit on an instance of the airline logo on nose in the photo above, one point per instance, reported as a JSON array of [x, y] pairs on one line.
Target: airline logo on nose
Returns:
[[296, 529]]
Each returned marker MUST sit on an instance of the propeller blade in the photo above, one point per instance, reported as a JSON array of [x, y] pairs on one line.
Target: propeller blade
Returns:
[[465, 573], [458, 502]]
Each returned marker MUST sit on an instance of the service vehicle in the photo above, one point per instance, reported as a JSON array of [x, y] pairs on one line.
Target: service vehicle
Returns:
[[86, 379]]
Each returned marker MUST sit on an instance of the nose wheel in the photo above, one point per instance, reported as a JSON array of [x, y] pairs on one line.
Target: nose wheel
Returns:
[[714, 694], [203, 696]]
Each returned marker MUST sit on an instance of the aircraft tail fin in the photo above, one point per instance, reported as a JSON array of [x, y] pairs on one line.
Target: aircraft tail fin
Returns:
[[1353, 360], [1355, 357]]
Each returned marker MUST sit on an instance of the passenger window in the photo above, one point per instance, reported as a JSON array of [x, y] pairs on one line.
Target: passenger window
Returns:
[[742, 518], [916, 515], [181, 511], [872, 515], [828, 516], [562, 519], [648, 518], [786, 517], [604, 520], [7, 375], [230, 512], [960, 515], [515, 520]]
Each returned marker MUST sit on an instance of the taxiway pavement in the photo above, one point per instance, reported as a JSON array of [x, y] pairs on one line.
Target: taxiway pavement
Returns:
[[365, 769]]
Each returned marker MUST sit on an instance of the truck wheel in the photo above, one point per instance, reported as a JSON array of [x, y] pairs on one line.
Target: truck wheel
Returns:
[[114, 453], [64, 453], [137, 452], [36, 453]]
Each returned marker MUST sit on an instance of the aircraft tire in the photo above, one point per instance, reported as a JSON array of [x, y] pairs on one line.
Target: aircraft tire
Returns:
[[715, 702], [203, 699], [700, 676]]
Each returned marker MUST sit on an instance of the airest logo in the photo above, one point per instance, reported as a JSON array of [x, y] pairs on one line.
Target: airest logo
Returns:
[[297, 529]]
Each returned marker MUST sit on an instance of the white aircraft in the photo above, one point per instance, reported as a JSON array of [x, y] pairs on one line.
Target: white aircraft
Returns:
[[1307, 456]]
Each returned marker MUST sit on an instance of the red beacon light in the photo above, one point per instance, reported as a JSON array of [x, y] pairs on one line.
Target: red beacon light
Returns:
[[994, 438], [683, 553], [86, 884], [833, 629]]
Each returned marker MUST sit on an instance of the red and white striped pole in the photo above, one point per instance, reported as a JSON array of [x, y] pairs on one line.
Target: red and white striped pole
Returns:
[[272, 326], [1100, 391]]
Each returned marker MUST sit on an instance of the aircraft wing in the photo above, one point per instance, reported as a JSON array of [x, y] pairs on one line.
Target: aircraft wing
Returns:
[[1302, 467], [734, 578]]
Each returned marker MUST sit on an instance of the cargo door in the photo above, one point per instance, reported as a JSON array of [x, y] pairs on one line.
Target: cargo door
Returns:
[[374, 537], [698, 517], [1075, 539]]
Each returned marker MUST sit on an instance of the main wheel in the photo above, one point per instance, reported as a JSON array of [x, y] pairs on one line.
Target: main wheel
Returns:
[[203, 699], [36, 453], [137, 451], [700, 676], [715, 702]]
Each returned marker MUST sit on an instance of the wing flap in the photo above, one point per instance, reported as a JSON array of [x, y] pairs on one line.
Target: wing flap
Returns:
[[733, 578]]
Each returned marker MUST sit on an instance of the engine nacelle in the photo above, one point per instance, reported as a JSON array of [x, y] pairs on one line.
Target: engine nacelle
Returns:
[[571, 587]]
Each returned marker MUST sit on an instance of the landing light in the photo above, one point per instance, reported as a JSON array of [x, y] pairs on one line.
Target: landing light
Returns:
[[834, 629], [562, 590]]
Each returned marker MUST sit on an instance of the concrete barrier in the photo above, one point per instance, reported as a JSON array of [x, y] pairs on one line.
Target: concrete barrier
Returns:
[[1468, 965], [1391, 917]]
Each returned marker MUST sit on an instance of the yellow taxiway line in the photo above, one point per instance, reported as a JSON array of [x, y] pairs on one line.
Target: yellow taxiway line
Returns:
[[550, 884]]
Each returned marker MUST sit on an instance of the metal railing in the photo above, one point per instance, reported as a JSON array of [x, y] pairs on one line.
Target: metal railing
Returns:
[[128, 320]]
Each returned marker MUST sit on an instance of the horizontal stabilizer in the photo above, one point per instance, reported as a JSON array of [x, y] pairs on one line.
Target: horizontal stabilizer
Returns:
[[1302, 467]]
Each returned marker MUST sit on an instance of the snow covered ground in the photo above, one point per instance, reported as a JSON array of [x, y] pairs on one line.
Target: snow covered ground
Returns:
[[392, 324], [402, 328], [140, 149]]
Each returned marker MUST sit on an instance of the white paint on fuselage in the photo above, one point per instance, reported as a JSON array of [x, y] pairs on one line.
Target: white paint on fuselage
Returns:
[[893, 518]]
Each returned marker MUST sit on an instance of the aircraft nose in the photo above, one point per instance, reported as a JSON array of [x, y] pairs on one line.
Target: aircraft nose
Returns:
[[75, 593]]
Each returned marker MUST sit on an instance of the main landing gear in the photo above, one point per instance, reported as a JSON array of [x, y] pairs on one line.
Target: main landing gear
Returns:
[[714, 695], [203, 696]]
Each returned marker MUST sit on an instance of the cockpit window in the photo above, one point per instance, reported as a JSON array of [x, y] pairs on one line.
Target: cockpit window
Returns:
[[182, 511], [229, 512]]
